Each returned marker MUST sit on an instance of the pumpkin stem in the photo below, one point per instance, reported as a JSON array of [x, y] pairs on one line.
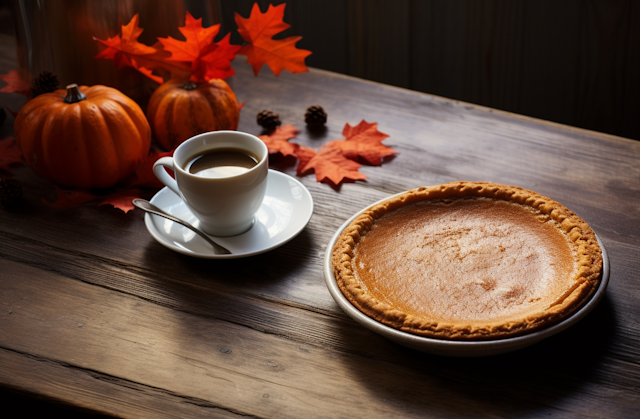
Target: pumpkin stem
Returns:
[[190, 85], [74, 94]]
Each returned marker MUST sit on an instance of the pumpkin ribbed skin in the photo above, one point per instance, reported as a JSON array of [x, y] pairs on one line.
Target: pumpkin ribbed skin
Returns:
[[93, 143], [178, 110]]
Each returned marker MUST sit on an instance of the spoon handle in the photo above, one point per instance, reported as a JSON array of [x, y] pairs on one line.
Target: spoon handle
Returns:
[[150, 208]]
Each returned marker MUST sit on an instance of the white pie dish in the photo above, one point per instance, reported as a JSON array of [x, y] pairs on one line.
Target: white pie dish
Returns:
[[453, 347]]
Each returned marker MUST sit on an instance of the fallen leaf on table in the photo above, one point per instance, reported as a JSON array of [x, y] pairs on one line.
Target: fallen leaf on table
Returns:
[[328, 164], [9, 153], [122, 200], [143, 175], [304, 155], [15, 84], [207, 59], [278, 140], [258, 30], [363, 141], [71, 198], [125, 50], [337, 161]]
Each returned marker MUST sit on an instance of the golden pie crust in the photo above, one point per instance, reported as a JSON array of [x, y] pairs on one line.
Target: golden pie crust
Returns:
[[467, 261]]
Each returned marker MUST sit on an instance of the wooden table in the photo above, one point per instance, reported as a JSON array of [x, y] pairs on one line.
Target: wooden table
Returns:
[[96, 314]]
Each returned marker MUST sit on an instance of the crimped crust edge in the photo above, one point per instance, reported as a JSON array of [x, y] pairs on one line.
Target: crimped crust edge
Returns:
[[579, 232]]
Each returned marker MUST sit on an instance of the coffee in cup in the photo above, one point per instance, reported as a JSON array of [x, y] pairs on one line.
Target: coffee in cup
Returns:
[[221, 176], [221, 163]]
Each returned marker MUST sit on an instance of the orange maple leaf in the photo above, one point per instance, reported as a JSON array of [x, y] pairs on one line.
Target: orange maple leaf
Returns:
[[9, 153], [199, 40], [329, 165], [278, 140], [217, 64], [258, 31], [122, 200], [71, 198], [125, 51], [364, 142], [143, 176], [337, 161], [15, 84], [207, 59]]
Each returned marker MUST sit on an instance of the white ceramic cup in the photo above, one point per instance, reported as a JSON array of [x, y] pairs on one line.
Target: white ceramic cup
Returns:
[[225, 206]]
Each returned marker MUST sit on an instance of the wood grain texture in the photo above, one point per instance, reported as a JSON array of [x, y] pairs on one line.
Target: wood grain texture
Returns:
[[96, 314]]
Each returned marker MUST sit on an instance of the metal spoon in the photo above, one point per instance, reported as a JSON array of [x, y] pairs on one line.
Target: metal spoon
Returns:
[[150, 208]]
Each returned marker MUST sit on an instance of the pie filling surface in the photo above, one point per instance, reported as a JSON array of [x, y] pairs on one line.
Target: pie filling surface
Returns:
[[467, 260]]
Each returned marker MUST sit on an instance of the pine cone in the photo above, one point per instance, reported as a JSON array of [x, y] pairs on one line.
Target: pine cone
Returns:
[[10, 192], [46, 82], [315, 117], [268, 120]]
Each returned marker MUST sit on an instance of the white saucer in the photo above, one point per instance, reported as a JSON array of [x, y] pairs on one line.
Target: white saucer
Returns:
[[285, 211], [451, 347]]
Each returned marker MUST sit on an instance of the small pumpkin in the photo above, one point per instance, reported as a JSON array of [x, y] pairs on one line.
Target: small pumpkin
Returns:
[[178, 110], [83, 137]]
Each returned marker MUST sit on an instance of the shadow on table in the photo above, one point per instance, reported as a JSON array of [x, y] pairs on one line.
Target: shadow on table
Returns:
[[530, 379], [263, 268], [25, 405], [235, 290]]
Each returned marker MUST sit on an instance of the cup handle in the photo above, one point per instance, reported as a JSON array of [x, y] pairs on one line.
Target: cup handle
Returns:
[[163, 176]]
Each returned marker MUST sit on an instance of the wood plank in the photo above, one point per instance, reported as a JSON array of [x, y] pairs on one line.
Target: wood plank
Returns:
[[461, 141], [93, 393], [243, 295], [233, 367], [300, 281], [193, 287]]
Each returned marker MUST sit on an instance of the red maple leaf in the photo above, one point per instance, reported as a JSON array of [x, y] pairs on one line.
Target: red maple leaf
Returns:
[[328, 164], [125, 51], [72, 197], [258, 31], [122, 200], [143, 175], [364, 142], [278, 140], [217, 64], [15, 84], [207, 59], [9, 153]]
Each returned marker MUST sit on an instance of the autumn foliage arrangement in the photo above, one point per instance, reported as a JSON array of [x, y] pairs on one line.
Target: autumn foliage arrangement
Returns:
[[337, 161], [200, 58], [205, 62], [196, 99], [193, 98]]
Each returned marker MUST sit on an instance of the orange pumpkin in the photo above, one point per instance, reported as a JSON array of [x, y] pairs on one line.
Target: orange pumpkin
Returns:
[[87, 137], [178, 110]]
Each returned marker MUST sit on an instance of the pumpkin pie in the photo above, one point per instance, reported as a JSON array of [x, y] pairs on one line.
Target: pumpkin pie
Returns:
[[467, 261]]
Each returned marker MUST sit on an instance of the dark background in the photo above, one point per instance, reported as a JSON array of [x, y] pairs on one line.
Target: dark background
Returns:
[[575, 62]]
